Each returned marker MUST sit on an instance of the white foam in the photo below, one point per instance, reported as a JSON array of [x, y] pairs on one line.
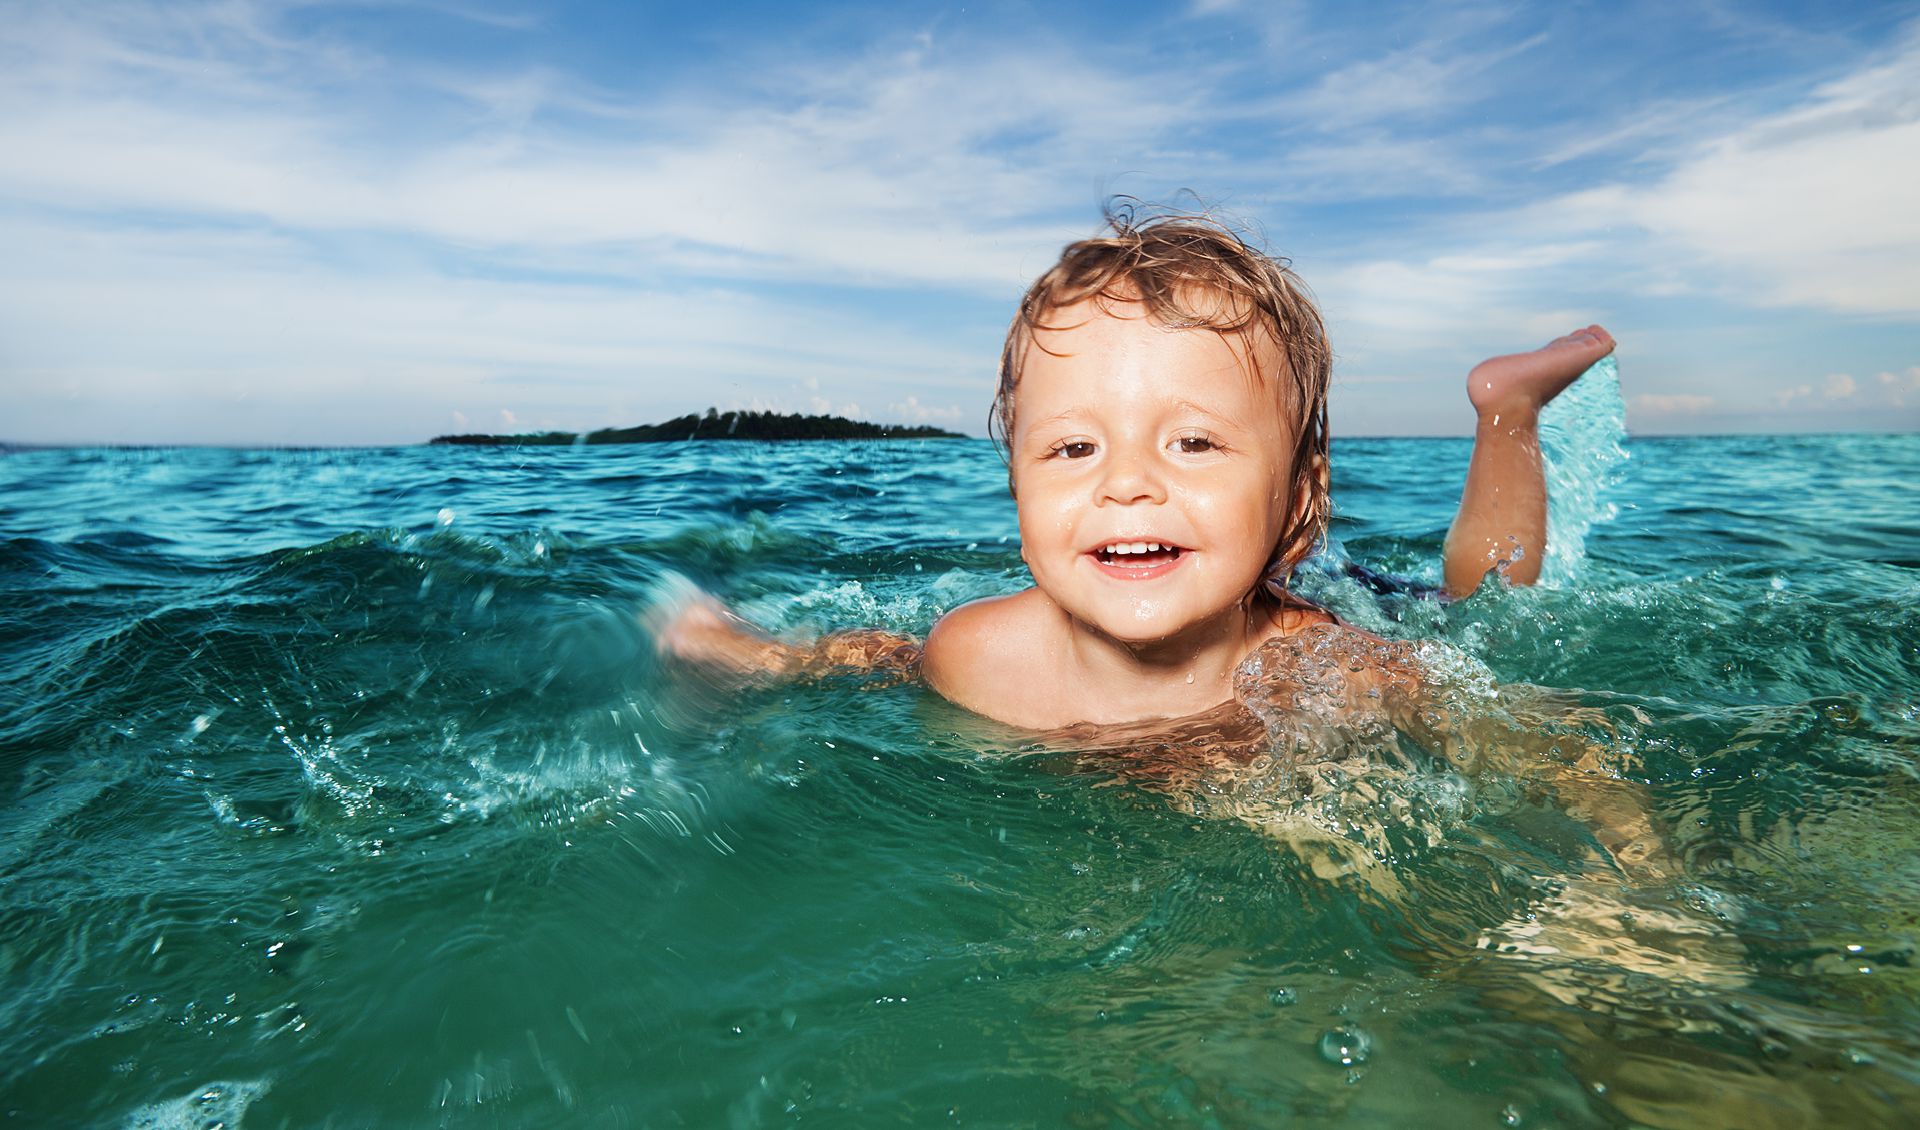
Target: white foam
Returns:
[[219, 1104]]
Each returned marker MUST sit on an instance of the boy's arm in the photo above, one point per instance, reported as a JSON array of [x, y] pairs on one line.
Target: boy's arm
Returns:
[[702, 633], [1523, 735], [1451, 706]]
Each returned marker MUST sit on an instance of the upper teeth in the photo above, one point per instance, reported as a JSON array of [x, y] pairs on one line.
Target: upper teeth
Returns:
[[1136, 547]]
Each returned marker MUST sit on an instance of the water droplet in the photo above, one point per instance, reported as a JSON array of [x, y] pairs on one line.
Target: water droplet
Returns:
[[1281, 997], [1346, 1046], [1509, 1115]]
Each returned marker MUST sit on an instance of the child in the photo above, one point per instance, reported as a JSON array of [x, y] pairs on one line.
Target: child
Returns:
[[1162, 402]]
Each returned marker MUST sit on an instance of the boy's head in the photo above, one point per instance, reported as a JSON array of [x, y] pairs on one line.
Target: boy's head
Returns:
[[1188, 272]]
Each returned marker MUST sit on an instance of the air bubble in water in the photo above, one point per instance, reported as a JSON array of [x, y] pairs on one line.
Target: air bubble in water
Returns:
[[1347, 1046], [1281, 997], [445, 517]]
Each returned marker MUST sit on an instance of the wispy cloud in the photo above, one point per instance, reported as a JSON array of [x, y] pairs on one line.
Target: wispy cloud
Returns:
[[1420, 83], [1809, 207], [853, 171]]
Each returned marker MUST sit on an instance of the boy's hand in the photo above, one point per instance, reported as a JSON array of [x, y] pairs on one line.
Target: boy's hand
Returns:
[[707, 635], [697, 630]]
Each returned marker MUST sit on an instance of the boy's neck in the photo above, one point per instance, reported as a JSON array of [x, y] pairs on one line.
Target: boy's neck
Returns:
[[1169, 678]]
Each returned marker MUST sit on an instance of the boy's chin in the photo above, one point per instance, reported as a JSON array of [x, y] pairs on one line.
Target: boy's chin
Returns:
[[1161, 628]]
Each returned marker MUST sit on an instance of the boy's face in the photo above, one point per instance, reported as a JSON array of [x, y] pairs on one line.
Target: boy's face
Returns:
[[1129, 434]]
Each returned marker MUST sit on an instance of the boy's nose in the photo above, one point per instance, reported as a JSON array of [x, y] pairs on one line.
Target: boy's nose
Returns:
[[1130, 478]]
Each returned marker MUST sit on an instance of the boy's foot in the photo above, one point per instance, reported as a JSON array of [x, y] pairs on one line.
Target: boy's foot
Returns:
[[1519, 384]]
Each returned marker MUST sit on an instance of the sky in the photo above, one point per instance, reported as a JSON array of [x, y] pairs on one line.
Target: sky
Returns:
[[266, 222]]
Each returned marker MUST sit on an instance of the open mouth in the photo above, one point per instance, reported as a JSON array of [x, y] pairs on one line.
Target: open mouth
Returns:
[[1138, 558]]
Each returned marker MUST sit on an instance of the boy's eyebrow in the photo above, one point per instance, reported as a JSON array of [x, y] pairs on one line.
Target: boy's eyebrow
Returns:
[[1056, 418], [1192, 406], [1203, 410]]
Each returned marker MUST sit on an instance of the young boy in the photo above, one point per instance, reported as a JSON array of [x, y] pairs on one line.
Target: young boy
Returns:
[[1162, 401]]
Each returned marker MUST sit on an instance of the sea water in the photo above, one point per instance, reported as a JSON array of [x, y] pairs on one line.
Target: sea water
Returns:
[[343, 788]]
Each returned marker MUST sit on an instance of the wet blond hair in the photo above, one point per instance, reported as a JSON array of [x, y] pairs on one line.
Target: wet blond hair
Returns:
[[1190, 271]]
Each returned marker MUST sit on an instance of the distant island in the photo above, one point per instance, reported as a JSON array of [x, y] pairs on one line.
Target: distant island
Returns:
[[716, 425]]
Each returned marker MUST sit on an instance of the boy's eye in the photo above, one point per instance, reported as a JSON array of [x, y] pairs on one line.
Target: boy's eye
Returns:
[[1074, 449], [1194, 445]]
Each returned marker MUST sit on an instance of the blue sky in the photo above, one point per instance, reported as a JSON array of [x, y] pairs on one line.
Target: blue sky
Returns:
[[289, 223]]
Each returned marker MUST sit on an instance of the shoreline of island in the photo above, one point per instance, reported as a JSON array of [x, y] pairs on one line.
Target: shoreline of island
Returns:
[[713, 425]]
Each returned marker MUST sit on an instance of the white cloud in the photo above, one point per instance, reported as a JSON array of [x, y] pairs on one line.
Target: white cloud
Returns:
[[847, 169], [1810, 207], [914, 412], [1787, 396], [144, 336], [1899, 385], [1467, 292], [1840, 386], [1421, 82]]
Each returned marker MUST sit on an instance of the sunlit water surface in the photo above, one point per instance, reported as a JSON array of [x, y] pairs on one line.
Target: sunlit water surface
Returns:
[[341, 787]]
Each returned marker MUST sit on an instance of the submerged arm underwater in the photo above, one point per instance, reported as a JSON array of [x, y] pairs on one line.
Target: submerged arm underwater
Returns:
[[1331, 692]]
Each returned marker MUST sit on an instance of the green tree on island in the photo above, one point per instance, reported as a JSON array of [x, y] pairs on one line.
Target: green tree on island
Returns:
[[716, 425]]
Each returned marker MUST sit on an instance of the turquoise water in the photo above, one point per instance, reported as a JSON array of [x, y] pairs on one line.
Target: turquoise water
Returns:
[[341, 788]]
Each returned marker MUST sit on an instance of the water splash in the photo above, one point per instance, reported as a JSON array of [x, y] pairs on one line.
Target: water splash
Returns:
[[1582, 435], [221, 1104]]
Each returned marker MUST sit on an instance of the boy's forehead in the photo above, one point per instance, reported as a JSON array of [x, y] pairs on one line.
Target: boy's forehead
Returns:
[[1063, 329]]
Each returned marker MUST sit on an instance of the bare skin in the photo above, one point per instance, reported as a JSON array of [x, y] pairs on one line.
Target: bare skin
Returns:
[[1502, 523], [702, 632]]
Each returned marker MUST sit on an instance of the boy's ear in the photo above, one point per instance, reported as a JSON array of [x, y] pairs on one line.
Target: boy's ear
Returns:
[[1303, 499]]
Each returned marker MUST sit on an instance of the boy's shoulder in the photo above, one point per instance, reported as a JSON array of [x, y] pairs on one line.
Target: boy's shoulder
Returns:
[[984, 654], [1306, 641]]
